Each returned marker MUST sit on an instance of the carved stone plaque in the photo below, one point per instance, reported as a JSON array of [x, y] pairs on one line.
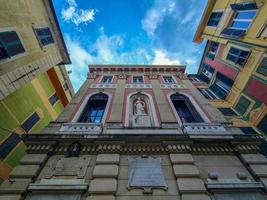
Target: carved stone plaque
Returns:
[[146, 173], [68, 166]]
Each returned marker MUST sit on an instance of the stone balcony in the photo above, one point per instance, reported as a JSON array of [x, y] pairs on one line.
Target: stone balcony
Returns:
[[90, 128]]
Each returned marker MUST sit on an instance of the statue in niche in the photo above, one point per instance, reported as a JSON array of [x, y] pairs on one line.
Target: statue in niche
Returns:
[[139, 107], [141, 117]]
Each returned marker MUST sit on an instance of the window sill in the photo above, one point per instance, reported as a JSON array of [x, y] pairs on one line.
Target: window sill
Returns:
[[6, 60]]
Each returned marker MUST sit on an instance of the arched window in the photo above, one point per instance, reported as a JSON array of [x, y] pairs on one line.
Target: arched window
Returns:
[[185, 109], [95, 109]]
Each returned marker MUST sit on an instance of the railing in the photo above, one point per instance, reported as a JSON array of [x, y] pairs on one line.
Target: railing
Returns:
[[91, 128]]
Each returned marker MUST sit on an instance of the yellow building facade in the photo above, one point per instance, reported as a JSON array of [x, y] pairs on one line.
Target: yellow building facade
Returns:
[[234, 64], [34, 83]]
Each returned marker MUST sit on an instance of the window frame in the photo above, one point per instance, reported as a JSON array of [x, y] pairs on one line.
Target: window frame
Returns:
[[237, 56], [214, 11], [170, 76], [8, 140], [17, 56], [51, 96], [87, 109], [143, 80], [193, 102], [101, 80], [40, 118], [39, 41], [252, 103], [77, 113], [210, 52], [242, 20], [260, 65]]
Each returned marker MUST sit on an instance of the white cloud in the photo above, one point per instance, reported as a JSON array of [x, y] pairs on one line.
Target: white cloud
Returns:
[[105, 50], [155, 15], [161, 58], [75, 15], [188, 17]]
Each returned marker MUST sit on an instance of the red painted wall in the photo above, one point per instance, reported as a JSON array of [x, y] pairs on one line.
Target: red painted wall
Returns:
[[257, 89], [222, 68]]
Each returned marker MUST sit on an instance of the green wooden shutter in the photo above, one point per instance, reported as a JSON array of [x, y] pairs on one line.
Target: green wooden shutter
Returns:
[[262, 69], [242, 105]]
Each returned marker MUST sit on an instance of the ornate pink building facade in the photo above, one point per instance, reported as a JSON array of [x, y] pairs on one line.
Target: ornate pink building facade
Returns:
[[139, 133]]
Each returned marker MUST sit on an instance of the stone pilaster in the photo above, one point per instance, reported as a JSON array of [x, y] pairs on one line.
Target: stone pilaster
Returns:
[[103, 186], [164, 109], [190, 185], [116, 112]]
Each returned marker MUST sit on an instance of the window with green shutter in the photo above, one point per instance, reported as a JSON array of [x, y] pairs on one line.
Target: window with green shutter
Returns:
[[242, 105], [262, 69]]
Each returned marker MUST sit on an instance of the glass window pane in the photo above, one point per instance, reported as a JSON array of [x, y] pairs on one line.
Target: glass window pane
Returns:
[[231, 57], [240, 24], [97, 120], [93, 113], [245, 15], [234, 51]]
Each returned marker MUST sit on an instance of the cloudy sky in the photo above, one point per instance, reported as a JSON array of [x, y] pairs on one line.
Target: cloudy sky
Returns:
[[129, 32]]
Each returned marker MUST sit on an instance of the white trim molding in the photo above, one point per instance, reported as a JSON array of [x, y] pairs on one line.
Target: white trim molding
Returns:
[[139, 86], [195, 104], [84, 103], [172, 86], [103, 85], [151, 106]]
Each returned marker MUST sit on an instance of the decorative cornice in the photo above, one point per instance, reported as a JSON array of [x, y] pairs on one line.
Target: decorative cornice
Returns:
[[129, 144], [139, 86], [103, 85], [172, 86]]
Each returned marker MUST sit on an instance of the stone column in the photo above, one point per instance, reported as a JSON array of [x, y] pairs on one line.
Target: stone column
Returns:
[[105, 174], [116, 112], [190, 185], [164, 109], [21, 176]]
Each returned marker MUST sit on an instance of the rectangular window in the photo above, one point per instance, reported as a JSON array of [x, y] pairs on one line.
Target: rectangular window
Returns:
[[243, 19], [221, 86], [65, 86], [138, 79], [237, 56], [106, 79], [212, 50], [244, 14], [262, 69], [214, 18], [8, 145], [242, 105], [168, 79], [227, 111], [30, 122], [53, 99], [207, 71], [10, 45], [208, 94], [44, 36]]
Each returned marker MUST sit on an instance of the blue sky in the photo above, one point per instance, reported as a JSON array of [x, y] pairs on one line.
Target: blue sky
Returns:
[[129, 32]]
